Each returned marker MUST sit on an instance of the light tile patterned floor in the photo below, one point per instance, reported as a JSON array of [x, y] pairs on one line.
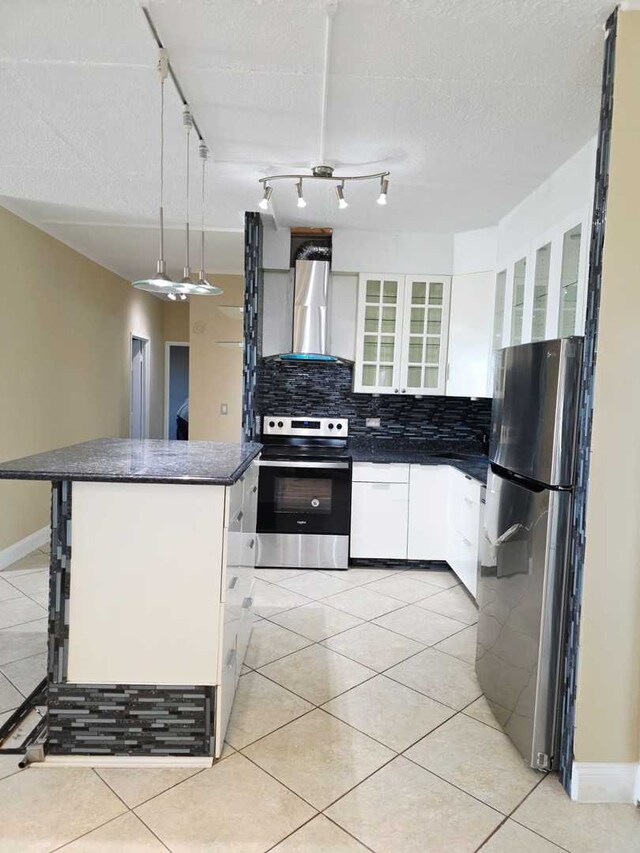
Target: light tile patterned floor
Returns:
[[358, 726]]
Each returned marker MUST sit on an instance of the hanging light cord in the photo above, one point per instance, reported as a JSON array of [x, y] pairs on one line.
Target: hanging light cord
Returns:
[[188, 123], [163, 64], [202, 148]]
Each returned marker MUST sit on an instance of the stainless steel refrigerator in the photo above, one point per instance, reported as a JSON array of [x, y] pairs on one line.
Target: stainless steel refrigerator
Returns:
[[525, 541]]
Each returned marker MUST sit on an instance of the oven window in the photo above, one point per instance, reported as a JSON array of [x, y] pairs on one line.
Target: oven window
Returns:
[[303, 494]]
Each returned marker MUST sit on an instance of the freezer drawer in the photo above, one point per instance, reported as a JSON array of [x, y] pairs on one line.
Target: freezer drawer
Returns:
[[521, 595]]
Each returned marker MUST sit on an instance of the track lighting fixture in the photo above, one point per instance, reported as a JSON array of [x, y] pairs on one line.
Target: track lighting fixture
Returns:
[[384, 186], [342, 202], [263, 204], [301, 201], [323, 173]]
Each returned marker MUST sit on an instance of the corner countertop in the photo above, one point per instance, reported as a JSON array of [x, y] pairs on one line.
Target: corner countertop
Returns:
[[123, 460], [467, 460]]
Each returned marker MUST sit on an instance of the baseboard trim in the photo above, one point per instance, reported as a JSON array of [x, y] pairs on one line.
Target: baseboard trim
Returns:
[[130, 761], [601, 782], [25, 546]]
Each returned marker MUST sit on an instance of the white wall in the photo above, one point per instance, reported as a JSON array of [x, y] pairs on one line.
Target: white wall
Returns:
[[568, 191], [375, 251], [475, 251]]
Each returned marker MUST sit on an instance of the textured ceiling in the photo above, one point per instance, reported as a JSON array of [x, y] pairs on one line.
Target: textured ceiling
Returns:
[[469, 104]]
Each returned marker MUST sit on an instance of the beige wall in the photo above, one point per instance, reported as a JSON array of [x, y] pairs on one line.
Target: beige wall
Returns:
[[176, 321], [65, 326], [215, 372], [608, 702]]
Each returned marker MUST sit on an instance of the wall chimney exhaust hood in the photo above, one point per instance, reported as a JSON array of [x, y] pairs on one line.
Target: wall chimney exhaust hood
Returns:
[[310, 305]]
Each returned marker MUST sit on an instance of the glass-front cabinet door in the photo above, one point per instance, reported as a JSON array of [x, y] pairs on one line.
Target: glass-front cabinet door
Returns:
[[498, 309], [403, 327], [425, 332], [377, 369], [541, 293], [517, 308], [569, 281]]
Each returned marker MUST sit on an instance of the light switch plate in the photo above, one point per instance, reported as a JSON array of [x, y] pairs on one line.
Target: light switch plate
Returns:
[[373, 422]]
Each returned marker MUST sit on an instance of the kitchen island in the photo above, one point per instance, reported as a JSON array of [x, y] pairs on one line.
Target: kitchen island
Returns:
[[151, 590]]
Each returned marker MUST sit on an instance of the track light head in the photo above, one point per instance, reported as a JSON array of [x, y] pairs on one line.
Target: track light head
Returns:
[[342, 202], [263, 204], [384, 186], [301, 201]]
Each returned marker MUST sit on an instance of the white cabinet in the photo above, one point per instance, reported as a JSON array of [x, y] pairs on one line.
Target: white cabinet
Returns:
[[379, 511], [463, 527], [417, 512], [470, 329], [236, 592], [428, 488], [541, 292], [402, 332]]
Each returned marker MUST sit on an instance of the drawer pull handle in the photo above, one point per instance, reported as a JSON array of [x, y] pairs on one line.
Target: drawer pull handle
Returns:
[[252, 543], [234, 581], [254, 489], [467, 543], [239, 515], [246, 604], [231, 658]]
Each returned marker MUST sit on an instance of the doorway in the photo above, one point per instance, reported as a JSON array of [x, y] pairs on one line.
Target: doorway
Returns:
[[138, 417], [176, 391]]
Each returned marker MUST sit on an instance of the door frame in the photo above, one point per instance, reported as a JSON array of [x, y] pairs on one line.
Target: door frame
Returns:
[[145, 383], [167, 381]]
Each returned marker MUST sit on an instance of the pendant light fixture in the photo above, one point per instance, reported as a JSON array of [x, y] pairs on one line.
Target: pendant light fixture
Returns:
[[160, 283], [207, 288]]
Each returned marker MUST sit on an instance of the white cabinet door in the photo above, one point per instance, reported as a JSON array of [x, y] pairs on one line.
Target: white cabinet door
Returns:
[[463, 528], [470, 332], [379, 518], [425, 334], [377, 368], [428, 512]]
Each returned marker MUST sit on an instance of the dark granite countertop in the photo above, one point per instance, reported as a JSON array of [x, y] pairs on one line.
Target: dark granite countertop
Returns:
[[465, 459], [123, 460]]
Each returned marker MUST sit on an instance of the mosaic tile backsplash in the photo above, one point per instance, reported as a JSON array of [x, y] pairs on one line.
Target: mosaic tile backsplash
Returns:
[[325, 390]]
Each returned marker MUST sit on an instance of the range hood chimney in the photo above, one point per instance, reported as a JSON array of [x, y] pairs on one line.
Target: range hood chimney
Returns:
[[310, 300]]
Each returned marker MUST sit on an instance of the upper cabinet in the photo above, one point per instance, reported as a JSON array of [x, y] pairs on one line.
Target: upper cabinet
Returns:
[[542, 295], [401, 344], [424, 334]]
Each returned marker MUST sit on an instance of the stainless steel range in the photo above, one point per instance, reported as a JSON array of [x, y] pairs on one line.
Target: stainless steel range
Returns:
[[304, 496]]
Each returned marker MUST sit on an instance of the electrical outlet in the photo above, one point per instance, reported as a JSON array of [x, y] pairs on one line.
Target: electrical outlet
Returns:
[[373, 422], [224, 409]]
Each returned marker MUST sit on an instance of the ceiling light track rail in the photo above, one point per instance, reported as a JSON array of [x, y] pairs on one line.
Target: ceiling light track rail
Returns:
[[172, 73]]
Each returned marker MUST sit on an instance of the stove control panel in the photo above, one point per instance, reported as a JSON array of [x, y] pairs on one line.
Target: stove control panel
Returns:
[[303, 426]]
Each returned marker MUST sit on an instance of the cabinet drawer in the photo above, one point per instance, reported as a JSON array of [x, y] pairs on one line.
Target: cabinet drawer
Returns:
[[235, 496], [463, 559], [380, 472], [466, 519]]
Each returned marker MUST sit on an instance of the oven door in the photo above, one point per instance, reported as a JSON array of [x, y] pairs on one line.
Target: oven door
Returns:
[[304, 497]]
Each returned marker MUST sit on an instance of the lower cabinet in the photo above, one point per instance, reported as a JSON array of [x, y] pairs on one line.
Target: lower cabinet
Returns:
[[464, 527], [379, 511], [236, 594], [428, 512], [417, 512]]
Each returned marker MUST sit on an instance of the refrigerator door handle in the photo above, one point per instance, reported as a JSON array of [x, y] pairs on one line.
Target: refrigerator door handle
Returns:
[[509, 534]]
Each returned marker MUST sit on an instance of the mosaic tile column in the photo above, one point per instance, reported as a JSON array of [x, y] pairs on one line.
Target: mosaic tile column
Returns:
[[252, 324], [576, 561]]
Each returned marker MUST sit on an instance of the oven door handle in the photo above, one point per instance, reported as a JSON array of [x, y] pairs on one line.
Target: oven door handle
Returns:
[[281, 463]]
